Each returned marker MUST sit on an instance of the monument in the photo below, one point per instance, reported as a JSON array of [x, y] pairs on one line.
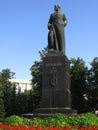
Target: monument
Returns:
[[56, 95]]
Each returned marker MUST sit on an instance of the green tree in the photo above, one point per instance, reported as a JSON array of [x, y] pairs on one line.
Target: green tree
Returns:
[[2, 108], [36, 72], [92, 88], [78, 84], [24, 102], [8, 91], [15, 103], [12, 100]]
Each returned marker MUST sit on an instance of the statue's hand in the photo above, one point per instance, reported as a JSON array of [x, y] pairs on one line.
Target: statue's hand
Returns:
[[65, 23], [50, 26]]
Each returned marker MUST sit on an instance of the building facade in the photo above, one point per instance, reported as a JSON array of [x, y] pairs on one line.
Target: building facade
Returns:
[[21, 85]]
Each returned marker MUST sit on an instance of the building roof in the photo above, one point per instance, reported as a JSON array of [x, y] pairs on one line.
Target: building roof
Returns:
[[20, 81]]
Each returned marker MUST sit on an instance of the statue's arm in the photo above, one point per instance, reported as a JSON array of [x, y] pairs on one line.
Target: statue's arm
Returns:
[[50, 22], [65, 20]]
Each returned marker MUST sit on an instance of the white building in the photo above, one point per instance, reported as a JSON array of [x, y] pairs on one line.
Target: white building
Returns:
[[21, 85]]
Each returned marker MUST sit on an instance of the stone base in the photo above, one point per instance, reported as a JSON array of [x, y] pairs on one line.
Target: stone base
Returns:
[[46, 112], [56, 82], [56, 95]]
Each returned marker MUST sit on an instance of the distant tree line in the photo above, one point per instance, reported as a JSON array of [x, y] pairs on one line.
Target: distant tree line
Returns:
[[84, 89]]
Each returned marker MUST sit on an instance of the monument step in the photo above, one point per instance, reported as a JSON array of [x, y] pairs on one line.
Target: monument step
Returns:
[[46, 112]]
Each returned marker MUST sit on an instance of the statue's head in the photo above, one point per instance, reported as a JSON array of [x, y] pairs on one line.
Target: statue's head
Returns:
[[57, 7]]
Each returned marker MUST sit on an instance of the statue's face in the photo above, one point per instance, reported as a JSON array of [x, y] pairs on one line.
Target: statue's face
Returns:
[[56, 8]]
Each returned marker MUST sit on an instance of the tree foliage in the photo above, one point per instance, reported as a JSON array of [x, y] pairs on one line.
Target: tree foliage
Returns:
[[8, 91], [10, 101], [36, 72], [24, 102], [2, 108], [78, 83], [92, 89]]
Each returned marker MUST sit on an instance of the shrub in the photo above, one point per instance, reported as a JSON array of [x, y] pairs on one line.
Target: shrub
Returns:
[[14, 120], [88, 119], [57, 120]]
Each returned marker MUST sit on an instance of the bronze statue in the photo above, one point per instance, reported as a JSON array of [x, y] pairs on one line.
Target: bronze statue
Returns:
[[56, 24]]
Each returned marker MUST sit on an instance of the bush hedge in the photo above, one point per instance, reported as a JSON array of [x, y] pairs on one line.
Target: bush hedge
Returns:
[[57, 120]]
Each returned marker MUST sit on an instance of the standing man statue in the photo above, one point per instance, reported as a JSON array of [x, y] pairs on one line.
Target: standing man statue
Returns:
[[56, 24]]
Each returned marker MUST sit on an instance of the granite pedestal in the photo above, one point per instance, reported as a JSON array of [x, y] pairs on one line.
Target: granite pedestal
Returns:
[[56, 95]]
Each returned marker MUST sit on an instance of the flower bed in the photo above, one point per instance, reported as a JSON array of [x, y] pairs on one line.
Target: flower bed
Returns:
[[9, 127], [58, 121]]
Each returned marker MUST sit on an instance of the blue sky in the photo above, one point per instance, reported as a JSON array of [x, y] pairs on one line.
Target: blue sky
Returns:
[[23, 31]]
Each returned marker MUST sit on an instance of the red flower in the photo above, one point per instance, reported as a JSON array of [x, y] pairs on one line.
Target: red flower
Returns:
[[82, 128], [8, 127], [93, 128]]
